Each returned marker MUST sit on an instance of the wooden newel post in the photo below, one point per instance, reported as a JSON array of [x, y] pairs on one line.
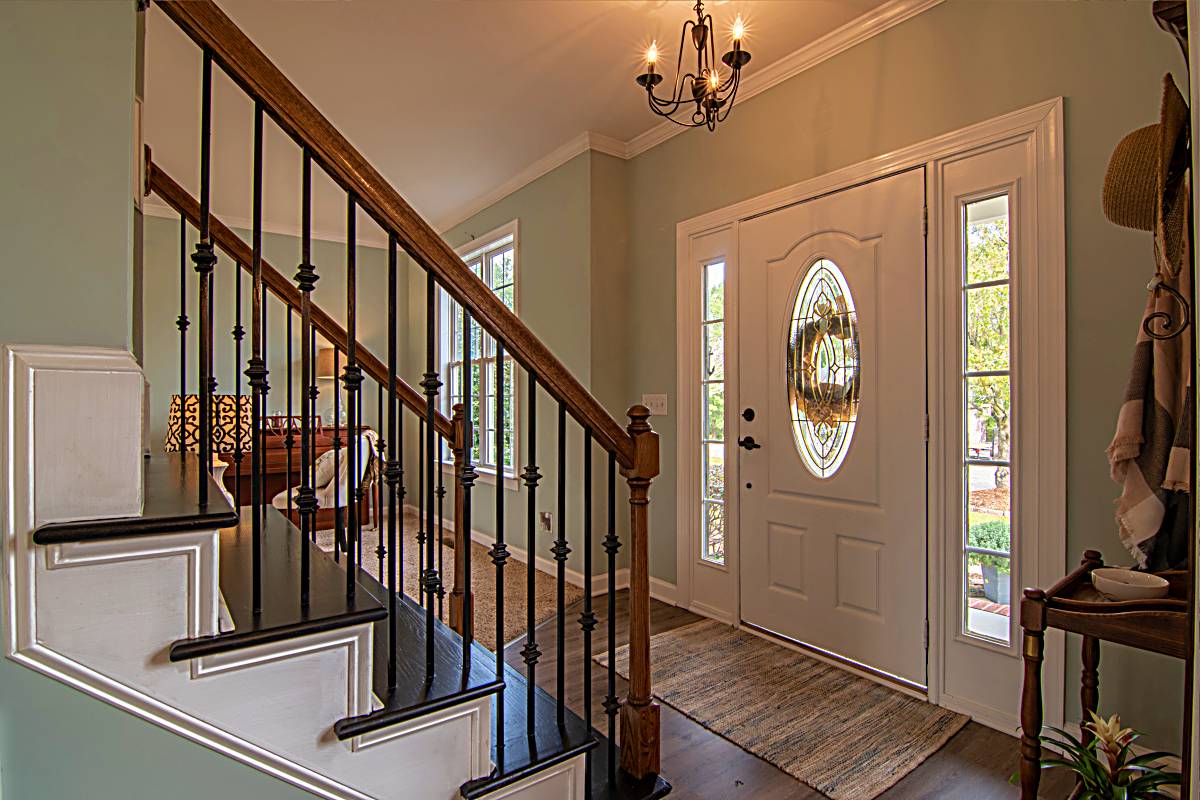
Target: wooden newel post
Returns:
[[639, 713], [460, 595]]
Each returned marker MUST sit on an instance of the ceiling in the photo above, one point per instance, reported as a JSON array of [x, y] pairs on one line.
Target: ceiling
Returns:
[[449, 99]]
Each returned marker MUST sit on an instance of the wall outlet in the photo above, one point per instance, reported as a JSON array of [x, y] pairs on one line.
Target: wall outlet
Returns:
[[547, 521], [657, 403]]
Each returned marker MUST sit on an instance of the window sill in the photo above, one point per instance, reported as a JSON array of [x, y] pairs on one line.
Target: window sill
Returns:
[[484, 475]]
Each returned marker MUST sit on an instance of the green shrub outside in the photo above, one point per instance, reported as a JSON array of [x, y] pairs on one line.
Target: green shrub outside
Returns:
[[992, 535]]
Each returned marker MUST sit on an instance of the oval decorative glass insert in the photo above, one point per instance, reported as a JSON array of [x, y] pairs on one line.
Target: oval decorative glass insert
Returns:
[[823, 372]]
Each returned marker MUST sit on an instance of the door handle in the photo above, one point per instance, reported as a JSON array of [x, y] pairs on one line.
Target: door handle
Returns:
[[748, 443]]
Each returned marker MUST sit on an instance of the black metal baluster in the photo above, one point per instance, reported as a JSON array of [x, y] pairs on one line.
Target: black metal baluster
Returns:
[[239, 333], [468, 481], [266, 390], [181, 322], [306, 279], [204, 259], [421, 566], [611, 545], [352, 378], [257, 370], [530, 652], [380, 449], [499, 551], [441, 540], [338, 542], [587, 620], [392, 473], [431, 384], [287, 436], [561, 551]]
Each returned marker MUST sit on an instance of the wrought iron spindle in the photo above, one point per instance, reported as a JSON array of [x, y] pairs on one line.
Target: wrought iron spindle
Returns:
[[352, 378], [392, 472], [338, 533], [587, 619], [561, 551], [530, 652], [468, 482], [429, 578], [306, 280], [266, 390], [421, 566], [239, 333], [257, 370], [287, 436], [441, 543], [499, 551], [380, 452], [612, 544], [181, 322], [205, 258]]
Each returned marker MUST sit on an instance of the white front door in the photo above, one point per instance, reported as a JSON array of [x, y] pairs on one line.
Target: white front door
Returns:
[[832, 390]]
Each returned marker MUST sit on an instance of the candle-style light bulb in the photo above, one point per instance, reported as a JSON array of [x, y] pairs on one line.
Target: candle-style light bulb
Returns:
[[652, 55], [714, 81], [739, 31]]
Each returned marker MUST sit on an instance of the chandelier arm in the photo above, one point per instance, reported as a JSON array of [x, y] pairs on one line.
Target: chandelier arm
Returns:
[[682, 39], [677, 98], [712, 44], [668, 115]]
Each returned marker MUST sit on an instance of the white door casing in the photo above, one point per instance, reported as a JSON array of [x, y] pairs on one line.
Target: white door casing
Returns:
[[1040, 127], [838, 562]]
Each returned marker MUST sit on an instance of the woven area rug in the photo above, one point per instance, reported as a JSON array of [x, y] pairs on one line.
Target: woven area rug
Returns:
[[845, 736], [483, 582]]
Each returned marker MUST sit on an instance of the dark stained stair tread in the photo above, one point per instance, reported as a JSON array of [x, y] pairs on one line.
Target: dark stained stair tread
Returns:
[[550, 745], [413, 696], [172, 484], [282, 616]]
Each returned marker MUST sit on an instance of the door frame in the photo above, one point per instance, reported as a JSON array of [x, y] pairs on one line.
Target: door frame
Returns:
[[1042, 125]]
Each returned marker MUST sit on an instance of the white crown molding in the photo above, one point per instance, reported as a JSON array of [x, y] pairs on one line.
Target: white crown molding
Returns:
[[858, 30], [879, 19], [547, 163]]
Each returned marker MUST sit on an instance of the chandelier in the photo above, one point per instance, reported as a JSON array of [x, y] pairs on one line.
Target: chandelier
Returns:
[[712, 95]]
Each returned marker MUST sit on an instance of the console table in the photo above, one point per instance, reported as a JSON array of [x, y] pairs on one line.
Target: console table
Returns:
[[1073, 605]]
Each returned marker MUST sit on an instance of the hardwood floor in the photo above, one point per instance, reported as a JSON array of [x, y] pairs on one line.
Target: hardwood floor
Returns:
[[700, 765]]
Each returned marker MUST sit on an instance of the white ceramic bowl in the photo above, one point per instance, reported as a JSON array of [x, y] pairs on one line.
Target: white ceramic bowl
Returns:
[[1125, 584]]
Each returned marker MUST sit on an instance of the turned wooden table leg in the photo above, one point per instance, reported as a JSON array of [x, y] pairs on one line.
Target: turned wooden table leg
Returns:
[[1089, 684], [1032, 649]]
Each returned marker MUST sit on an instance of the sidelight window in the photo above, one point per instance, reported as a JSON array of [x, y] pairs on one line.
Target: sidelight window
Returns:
[[712, 417], [987, 471]]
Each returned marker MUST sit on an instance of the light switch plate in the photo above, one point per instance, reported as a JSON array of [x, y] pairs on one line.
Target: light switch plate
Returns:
[[657, 403]]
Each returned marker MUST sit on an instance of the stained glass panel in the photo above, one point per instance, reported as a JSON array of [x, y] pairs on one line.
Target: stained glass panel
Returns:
[[823, 370]]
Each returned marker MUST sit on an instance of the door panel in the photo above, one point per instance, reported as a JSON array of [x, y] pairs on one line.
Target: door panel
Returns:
[[833, 542]]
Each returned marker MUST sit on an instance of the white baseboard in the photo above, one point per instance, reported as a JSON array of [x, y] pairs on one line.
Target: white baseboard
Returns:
[[663, 591]]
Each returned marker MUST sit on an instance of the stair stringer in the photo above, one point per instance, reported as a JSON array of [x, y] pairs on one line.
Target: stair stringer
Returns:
[[101, 615]]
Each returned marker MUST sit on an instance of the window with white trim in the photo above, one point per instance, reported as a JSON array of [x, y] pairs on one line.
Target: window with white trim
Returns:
[[712, 415], [987, 470], [494, 259]]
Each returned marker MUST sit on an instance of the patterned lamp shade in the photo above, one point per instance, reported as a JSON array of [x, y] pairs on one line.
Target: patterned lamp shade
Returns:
[[227, 419]]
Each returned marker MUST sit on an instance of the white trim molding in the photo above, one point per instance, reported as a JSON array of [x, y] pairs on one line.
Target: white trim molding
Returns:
[[883, 17], [1041, 126]]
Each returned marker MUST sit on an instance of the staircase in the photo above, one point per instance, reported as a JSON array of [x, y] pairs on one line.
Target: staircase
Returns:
[[134, 578]]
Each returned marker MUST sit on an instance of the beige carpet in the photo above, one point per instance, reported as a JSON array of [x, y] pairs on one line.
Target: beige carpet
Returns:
[[845, 736], [483, 580]]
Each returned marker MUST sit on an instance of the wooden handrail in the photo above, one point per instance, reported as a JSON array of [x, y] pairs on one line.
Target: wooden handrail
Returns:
[[235, 247], [208, 26]]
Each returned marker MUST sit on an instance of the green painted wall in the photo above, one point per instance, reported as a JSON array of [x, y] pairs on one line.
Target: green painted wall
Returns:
[[554, 300], [161, 307], [67, 74], [67, 78], [959, 63]]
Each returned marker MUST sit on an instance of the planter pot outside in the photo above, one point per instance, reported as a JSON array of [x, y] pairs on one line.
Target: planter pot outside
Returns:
[[996, 584]]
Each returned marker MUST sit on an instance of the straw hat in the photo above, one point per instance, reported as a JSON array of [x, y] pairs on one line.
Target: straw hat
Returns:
[[1142, 188]]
